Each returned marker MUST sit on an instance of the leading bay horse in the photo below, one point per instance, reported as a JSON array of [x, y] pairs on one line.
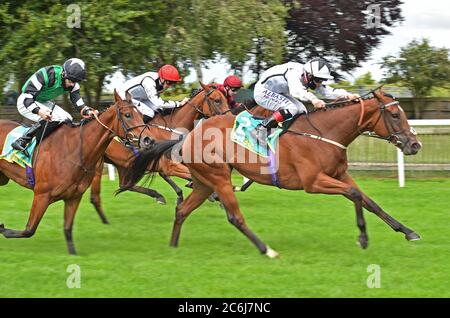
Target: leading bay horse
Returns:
[[312, 156], [66, 162], [207, 102]]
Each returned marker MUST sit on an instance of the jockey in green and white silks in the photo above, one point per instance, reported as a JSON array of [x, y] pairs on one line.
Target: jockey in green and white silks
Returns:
[[281, 89], [46, 84]]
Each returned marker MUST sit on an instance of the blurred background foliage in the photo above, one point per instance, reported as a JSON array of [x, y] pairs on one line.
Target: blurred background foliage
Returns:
[[135, 37]]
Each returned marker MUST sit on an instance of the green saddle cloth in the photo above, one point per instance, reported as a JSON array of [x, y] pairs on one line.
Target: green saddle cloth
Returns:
[[243, 133]]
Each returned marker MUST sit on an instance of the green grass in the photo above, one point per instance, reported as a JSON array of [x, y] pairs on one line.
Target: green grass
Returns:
[[315, 234]]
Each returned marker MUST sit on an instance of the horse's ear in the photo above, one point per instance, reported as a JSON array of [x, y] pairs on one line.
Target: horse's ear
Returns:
[[205, 87], [128, 97], [379, 91], [117, 97]]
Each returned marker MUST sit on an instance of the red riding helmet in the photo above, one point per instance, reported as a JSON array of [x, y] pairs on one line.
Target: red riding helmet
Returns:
[[232, 81], [169, 73]]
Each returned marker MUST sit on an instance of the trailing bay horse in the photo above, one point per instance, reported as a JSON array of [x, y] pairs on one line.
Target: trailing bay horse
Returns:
[[207, 102], [66, 162], [312, 156]]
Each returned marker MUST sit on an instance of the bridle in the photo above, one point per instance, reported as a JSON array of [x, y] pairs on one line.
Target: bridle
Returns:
[[212, 109], [130, 137], [394, 136]]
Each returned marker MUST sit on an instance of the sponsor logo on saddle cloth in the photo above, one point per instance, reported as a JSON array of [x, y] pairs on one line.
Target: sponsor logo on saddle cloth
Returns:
[[14, 156], [244, 134]]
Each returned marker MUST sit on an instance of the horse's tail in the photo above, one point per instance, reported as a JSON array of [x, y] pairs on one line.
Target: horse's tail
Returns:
[[146, 162]]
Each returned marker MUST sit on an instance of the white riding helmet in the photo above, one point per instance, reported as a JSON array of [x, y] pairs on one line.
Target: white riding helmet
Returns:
[[317, 67]]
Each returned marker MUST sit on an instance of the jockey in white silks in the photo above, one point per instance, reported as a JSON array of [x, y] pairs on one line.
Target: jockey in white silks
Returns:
[[282, 88], [146, 88]]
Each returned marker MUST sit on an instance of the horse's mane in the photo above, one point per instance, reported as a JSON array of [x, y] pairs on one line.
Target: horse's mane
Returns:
[[340, 104]]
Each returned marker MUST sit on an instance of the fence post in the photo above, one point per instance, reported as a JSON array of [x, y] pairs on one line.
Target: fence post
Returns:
[[400, 168], [111, 172]]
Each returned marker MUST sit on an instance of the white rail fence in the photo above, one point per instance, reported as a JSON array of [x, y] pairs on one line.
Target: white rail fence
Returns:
[[400, 156]]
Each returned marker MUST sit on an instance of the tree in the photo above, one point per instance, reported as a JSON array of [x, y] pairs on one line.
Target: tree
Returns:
[[252, 31], [419, 66], [337, 30], [112, 35], [236, 30], [365, 79]]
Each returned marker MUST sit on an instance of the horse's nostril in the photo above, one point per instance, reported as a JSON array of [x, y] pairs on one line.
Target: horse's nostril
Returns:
[[416, 145]]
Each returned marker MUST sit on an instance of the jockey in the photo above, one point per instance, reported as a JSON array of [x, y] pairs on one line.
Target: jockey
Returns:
[[47, 83], [229, 89], [145, 90], [281, 89]]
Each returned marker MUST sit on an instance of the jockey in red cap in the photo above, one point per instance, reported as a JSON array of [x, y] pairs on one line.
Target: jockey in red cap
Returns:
[[229, 88], [145, 90]]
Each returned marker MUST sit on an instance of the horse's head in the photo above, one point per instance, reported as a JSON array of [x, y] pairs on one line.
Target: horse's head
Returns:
[[394, 125], [130, 124], [209, 101]]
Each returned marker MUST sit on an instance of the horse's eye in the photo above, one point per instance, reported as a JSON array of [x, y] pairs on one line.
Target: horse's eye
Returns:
[[217, 101], [128, 115], [396, 115]]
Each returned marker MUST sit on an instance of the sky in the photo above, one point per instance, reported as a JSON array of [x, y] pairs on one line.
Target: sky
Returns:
[[422, 19]]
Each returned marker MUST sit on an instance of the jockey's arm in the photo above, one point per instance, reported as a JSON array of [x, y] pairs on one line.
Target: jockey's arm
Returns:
[[32, 90], [296, 88], [75, 97], [335, 93], [77, 101], [152, 94]]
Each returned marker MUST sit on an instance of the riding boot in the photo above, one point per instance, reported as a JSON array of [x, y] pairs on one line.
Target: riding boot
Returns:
[[276, 118], [21, 143], [270, 122]]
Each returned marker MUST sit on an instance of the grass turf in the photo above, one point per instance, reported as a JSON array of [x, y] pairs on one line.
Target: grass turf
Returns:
[[315, 234]]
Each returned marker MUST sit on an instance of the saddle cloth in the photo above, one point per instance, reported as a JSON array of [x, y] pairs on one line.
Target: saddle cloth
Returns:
[[244, 133], [14, 156]]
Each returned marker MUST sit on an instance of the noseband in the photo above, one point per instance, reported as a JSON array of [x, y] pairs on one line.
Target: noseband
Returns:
[[129, 136], [394, 136]]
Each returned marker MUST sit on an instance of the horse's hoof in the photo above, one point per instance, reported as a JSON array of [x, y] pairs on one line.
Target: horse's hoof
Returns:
[[363, 244], [179, 201], [271, 253], [412, 236], [2, 228], [161, 200]]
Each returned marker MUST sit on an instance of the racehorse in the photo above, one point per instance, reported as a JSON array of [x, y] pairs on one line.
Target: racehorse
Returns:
[[206, 103], [312, 156], [66, 162]]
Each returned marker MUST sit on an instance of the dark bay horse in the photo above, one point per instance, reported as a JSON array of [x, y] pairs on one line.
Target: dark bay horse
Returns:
[[66, 162], [312, 156], [206, 103]]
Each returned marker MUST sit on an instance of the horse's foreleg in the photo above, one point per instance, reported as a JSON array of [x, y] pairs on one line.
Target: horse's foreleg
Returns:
[[328, 185], [95, 191], [70, 208], [174, 186], [371, 206], [40, 204], [198, 195]]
